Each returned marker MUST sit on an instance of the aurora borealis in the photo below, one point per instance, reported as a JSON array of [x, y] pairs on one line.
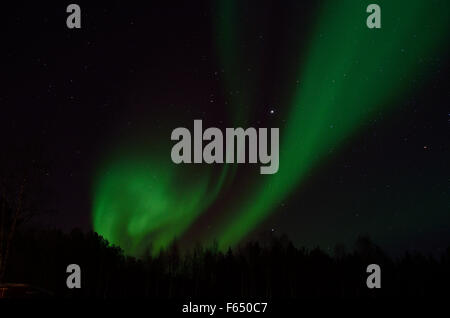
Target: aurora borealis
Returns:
[[225, 152], [348, 74], [362, 113], [341, 85]]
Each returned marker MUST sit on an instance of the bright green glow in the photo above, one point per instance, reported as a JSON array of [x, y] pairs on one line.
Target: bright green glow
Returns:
[[141, 201], [350, 73]]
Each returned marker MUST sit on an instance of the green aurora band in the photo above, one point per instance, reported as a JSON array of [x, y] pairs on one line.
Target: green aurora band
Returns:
[[350, 74]]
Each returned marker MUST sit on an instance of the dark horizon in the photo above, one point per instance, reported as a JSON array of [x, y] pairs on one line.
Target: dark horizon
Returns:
[[271, 269]]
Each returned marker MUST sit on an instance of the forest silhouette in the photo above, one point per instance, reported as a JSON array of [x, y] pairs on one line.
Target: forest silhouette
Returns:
[[270, 269]]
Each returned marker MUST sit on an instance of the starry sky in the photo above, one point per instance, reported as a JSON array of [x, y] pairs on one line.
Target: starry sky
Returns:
[[364, 119]]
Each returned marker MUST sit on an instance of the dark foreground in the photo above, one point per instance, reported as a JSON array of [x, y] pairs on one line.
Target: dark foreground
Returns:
[[272, 270]]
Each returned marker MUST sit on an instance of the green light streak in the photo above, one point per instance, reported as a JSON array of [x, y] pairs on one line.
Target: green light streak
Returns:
[[351, 72]]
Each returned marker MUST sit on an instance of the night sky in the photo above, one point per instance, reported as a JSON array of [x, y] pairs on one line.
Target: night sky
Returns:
[[364, 118]]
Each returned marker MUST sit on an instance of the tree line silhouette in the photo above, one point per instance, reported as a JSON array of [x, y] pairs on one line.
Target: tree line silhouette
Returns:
[[269, 269]]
